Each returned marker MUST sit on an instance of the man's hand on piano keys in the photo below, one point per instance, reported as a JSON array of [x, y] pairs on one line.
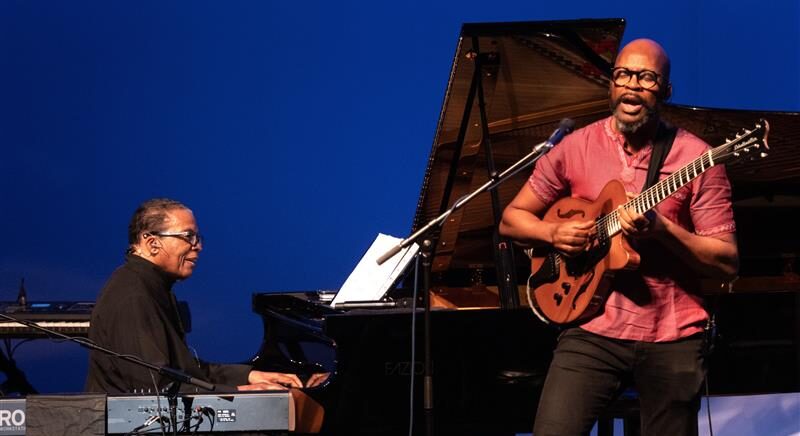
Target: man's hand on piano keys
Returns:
[[317, 379], [271, 381], [262, 387]]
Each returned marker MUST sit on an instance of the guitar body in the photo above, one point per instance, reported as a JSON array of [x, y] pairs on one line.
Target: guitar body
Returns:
[[565, 290]]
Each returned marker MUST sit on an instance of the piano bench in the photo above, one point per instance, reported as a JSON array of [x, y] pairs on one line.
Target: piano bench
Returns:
[[626, 408]]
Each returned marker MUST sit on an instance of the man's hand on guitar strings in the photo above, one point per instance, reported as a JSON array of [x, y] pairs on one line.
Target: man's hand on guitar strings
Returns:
[[573, 237], [636, 225]]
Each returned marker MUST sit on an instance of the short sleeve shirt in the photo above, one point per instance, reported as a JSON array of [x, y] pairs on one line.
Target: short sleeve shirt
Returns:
[[659, 301]]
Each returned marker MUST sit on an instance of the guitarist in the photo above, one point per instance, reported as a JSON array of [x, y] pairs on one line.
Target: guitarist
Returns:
[[650, 332]]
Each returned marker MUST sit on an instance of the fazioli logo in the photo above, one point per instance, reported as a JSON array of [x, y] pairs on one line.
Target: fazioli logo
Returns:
[[402, 368], [12, 420]]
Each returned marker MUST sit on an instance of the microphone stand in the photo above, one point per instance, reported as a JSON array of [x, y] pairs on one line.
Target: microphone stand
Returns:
[[176, 375], [15, 378], [538, 151], [495, 180]]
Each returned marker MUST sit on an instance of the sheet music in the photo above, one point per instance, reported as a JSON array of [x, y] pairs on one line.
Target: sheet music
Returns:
[[370, 281]]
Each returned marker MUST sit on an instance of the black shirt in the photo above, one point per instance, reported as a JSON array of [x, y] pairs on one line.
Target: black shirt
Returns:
[[136, 314]]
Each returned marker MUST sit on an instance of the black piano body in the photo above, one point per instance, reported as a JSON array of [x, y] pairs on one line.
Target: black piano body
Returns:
[[488, 363], [489, 360]]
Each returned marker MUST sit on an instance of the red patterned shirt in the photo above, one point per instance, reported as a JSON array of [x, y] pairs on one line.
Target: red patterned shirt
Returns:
[[660, 301]]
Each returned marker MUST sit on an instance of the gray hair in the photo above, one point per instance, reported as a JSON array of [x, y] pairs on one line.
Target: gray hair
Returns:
[[150, 216]]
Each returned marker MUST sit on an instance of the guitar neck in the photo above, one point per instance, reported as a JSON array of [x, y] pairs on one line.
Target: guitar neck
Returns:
[[660, 191]]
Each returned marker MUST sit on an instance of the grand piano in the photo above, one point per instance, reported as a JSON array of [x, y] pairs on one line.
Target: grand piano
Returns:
[[509, 86]]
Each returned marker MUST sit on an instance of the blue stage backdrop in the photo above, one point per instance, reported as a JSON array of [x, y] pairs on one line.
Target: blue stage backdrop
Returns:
[[296, 131]]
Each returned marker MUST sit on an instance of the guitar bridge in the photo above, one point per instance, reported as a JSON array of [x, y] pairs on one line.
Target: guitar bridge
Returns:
[[548, 272]]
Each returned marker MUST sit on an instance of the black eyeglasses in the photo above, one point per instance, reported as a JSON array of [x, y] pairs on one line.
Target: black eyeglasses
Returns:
[[192, 237], [647, 79]]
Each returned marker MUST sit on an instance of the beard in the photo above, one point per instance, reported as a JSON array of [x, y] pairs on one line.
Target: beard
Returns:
[[648, 113]]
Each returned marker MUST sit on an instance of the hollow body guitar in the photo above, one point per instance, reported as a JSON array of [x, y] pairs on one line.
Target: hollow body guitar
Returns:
[[565, 290]]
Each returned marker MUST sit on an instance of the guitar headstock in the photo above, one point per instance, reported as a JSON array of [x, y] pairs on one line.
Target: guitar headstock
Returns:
[[749, 144]]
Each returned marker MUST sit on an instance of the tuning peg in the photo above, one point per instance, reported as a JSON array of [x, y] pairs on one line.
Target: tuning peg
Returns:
[[736, 153], [764, 154]]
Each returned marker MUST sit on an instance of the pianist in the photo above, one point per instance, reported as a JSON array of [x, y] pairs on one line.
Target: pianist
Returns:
[[136, 311], [651, 330]]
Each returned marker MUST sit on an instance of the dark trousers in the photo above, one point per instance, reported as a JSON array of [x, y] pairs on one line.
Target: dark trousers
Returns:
[[588, 371]]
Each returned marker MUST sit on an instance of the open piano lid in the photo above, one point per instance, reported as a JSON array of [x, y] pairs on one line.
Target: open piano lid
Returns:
[[533, 75]]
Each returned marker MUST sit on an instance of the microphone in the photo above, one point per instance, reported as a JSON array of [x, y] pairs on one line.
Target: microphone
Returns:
[[565, 127]]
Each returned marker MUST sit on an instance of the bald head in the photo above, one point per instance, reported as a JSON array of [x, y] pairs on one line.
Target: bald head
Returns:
[[645, 51], [639, 84]]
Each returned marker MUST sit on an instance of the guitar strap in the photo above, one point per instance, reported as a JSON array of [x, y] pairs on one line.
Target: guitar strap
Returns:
[[662, 144], [665, 136]]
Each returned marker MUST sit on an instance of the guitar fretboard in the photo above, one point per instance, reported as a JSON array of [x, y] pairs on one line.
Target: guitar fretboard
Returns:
[[647, 200]]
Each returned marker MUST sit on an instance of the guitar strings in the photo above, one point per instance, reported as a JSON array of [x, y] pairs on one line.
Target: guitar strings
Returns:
[[657, 193]]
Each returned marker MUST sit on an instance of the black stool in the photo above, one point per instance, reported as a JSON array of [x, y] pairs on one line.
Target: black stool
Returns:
[[625, 407]]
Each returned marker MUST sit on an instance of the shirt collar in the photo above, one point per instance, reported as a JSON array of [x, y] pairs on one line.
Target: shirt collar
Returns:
[[150, 271]]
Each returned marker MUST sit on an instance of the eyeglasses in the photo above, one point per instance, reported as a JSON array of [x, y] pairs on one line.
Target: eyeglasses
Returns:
[[190, 236], [647, 79]]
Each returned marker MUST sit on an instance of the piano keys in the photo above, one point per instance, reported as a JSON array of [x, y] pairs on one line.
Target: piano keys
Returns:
[[67, 317]]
